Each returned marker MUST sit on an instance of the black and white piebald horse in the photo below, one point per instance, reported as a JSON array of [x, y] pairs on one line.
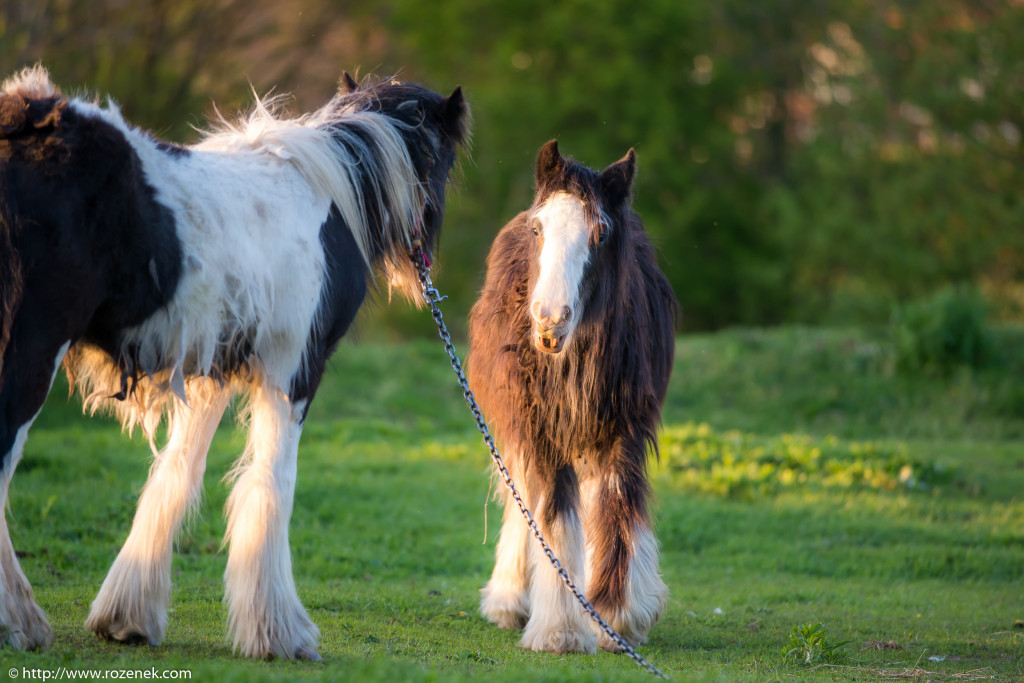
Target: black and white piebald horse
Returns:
[[166, 278], [571, 346]]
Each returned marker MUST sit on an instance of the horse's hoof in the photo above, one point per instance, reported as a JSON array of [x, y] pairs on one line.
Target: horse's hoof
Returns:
[[609, 645], [133, 638], [559, 641], [125, 636], [504, 616], [504, 610], [25, 628], [39, 636], [121, 631], [507, 619], [308, 654]]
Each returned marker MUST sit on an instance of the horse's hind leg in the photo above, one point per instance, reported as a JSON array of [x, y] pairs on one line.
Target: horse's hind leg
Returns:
[[557, 624], [265, 616], [132, 603], [505, 599], [23, 624], [26, 383], [622, 553]]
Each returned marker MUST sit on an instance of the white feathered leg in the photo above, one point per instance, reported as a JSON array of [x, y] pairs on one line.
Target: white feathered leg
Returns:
[[23, 624], [506, 599], [131, 606], [646, 595], [557, 622], [265, 616], [634, 596]]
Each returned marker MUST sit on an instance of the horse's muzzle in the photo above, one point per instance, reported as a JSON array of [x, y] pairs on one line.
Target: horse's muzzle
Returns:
[[548, 341]]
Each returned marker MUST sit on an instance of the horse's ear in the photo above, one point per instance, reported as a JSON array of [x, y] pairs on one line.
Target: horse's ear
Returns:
[[347, 84], [455, 115], [549, 162], [617, 179]]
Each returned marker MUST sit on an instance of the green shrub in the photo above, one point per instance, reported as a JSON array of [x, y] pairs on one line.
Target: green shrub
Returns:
[[942, 333], [809, 645], [735, 464]]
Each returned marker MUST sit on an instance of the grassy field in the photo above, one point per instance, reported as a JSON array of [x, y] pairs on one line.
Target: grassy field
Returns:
[[801, 481]]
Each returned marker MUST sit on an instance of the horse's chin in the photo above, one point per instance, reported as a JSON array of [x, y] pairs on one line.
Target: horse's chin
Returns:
[[546, 342]]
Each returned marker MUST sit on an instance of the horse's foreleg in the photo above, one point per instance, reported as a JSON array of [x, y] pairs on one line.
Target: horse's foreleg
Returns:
[[23, 624], [506, 599], [265, 616], [622, 553], [131, 606], [557, 623]]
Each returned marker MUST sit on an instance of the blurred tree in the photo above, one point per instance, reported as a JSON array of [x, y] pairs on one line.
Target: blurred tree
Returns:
[[909, 158], [603, 77], [799, 160], [164, 61]]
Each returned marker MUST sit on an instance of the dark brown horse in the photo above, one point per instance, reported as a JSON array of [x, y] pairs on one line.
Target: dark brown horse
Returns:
[[571, 346]]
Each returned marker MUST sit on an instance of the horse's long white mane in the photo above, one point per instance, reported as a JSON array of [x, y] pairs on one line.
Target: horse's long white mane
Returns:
[[228, 290], [325, 146], [327, 149]]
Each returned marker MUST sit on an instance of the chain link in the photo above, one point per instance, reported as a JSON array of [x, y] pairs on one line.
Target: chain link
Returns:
[[433, 297]]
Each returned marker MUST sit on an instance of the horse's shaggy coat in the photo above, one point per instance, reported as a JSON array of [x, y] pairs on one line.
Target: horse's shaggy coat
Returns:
[[571, 346], [167, 277]]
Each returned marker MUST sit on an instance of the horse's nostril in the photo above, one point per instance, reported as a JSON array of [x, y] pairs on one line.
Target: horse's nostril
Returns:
[[566, 314]]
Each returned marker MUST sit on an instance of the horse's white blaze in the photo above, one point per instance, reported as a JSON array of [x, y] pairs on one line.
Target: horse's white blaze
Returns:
[[563, 259]]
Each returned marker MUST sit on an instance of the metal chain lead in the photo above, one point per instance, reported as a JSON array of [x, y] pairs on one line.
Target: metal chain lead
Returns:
[[433, 296]]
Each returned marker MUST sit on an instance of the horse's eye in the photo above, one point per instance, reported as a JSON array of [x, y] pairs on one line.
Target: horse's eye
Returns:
[[602, 237], [535, 227]]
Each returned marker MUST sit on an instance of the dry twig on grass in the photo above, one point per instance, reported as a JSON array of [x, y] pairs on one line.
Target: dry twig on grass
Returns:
[[915, 673]]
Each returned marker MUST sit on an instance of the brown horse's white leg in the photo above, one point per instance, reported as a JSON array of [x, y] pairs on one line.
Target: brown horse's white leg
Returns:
[[132, 603], [265, 616], [505, 599], [622, 553], [23, 624], [557, 622]]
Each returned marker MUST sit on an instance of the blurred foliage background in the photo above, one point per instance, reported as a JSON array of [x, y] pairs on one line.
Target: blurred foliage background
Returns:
[[804, 161]]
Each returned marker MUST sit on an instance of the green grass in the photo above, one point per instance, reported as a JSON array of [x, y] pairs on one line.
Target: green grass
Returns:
[[782, 501]]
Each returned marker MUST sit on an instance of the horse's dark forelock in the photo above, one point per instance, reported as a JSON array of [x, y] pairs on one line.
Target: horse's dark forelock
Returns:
[[585, 184]]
